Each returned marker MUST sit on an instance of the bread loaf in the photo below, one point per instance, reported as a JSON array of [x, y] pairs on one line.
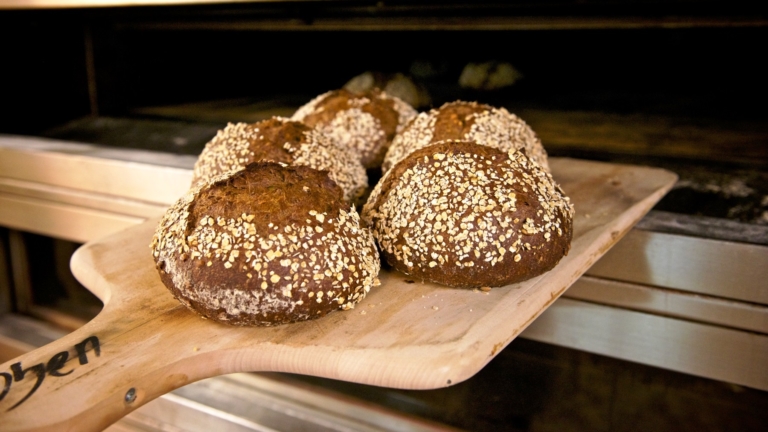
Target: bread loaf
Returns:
[[466, 215], [280, 140], [363, 122], [267, 245], [467, 121]]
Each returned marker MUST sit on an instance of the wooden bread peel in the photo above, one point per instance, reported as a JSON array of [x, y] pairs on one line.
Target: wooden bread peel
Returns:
[[405, 334]]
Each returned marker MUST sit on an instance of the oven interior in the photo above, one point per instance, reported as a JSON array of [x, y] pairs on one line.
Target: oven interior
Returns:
[[679, 85]]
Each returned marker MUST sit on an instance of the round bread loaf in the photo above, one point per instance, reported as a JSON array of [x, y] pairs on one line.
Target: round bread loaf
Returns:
[[363, 122], [267, 245], [280, 140], [466, 215], [467, 121]]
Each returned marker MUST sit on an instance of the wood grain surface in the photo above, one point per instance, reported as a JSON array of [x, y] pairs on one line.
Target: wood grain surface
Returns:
[[405, 334]]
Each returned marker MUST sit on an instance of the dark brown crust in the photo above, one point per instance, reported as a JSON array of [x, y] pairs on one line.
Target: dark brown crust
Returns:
[[279, 140], [499, 240], [272, 193], [256, 142], [371, 136], [467, 121], [246, 249], [455, 120]]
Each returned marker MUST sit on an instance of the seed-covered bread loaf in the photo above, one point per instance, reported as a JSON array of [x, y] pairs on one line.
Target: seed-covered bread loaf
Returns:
[[267, 245], [363, 122], [280, 140], [467, 121], [466, 215]]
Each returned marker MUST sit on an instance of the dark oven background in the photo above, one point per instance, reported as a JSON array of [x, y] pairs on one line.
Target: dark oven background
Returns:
[[677, 84]]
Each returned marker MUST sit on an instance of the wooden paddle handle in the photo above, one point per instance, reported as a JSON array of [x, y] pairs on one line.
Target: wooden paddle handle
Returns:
[[90, 378]]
